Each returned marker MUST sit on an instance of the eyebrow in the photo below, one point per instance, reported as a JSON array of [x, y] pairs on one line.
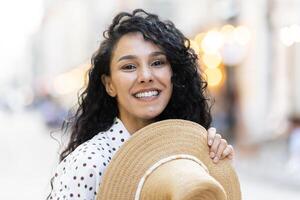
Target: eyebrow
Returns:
[[153, 54]]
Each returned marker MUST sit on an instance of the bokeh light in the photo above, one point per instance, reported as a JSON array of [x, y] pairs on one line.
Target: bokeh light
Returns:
[[212, 60], [195, 46], [289, 35], [227, 32], [212, 42], [242, 35], [214, 76], [70, 81]]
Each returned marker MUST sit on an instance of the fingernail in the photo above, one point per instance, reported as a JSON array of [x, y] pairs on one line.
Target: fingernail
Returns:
[[212, 129], [212, 154], [216, 159], [209, 142]]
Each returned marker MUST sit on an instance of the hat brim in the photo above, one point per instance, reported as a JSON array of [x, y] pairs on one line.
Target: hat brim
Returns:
[[155, 142]]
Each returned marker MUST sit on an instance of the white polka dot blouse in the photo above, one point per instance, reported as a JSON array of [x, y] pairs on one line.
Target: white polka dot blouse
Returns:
[[78, 176]]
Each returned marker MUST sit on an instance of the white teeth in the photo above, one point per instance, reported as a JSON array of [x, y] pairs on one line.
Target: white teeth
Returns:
[[146, 94]]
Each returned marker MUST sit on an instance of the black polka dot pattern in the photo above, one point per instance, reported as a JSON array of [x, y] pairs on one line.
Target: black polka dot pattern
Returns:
[[78, 176]]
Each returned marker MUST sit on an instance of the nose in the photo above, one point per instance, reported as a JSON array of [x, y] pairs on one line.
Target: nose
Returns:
[[145, 75]]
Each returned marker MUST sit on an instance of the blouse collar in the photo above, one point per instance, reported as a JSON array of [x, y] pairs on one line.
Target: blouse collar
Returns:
[[119, 125]]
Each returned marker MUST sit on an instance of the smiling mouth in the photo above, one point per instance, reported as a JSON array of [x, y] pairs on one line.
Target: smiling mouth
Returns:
[[148, 94]]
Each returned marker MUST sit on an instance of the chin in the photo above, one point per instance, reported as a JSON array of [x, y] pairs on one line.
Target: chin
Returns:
[[152, 115]]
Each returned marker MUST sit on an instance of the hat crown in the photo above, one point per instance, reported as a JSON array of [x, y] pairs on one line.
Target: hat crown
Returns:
[[181, 179]]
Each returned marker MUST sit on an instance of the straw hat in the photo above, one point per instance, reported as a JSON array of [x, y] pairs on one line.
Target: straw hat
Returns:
[[168, 160]]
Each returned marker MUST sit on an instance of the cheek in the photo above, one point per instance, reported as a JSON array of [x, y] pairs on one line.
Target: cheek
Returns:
[[171, 91], [169, 87], [169, 80], [123, 84]]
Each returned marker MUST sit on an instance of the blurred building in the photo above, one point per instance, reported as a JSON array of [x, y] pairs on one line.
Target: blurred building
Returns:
[[260, 77]]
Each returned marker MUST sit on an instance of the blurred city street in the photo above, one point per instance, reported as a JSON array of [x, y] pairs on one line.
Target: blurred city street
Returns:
[[28, 155], [248, 55]]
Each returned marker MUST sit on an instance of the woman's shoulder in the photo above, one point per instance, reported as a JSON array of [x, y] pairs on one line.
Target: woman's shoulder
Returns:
[[86, 157], [98, 151], [81, 171], [90, 152], [83, 168]]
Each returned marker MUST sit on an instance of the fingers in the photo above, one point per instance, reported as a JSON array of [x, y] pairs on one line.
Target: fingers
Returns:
[[211, 136], [219, 147], [215, 145], [228, 152], [222, 146]]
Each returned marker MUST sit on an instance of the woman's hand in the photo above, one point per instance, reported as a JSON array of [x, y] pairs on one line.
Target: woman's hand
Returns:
[[219, 148]]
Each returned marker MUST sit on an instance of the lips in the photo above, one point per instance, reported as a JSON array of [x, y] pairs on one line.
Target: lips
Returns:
[[147, 93]]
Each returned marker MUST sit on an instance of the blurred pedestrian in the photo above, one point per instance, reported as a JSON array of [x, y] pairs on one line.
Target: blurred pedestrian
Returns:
[[294, 145]]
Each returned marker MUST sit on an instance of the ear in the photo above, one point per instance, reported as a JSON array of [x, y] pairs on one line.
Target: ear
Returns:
[[106, 80]]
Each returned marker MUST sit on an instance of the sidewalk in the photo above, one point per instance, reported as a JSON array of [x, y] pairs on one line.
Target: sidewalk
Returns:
[[264, 175]]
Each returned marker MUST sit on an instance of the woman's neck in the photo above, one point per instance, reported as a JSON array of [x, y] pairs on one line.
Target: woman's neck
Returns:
[[132, 124]]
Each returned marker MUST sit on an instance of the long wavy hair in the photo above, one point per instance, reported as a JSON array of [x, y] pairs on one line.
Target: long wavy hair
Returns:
[[97, 110]]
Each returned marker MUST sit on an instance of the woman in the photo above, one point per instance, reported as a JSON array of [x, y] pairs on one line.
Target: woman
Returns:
[[143, 72]]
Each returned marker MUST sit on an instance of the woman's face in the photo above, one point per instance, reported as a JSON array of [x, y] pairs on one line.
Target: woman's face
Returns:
[[140, 80]]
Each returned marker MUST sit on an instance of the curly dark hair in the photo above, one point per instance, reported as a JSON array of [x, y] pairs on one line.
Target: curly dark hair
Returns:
[[97, 110]]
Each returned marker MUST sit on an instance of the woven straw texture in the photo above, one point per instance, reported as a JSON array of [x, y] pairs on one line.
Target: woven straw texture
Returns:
[[155, 142]]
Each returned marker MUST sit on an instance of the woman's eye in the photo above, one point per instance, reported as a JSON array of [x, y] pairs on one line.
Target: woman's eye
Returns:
[[157, 63], [128, 67]]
